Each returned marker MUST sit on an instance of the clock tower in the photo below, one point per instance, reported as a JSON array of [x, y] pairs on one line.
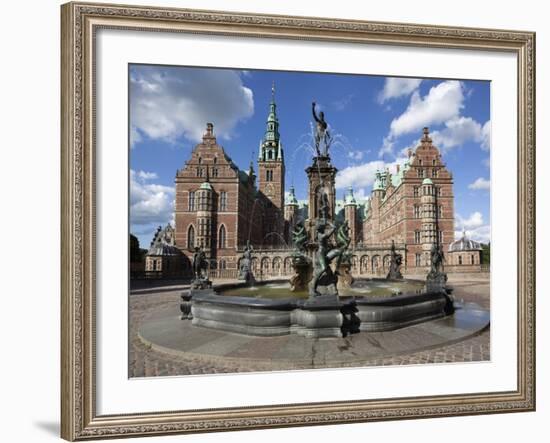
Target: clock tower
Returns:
[[271, 171]]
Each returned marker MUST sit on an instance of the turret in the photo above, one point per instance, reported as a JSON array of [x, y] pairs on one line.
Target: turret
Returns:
[[429, 222], [205, 208], [350, 213]]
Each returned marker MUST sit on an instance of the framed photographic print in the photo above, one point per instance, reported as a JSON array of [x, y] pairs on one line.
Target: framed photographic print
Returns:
[[282, 221]]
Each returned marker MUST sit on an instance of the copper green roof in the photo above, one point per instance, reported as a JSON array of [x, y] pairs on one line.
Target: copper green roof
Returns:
[[291, 198], [350, 198], [378, 185], [427, 181]]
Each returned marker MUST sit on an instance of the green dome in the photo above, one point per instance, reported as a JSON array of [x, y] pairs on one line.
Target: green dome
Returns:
[[427, 181], [206, 185], [350, 198], [291, 198]]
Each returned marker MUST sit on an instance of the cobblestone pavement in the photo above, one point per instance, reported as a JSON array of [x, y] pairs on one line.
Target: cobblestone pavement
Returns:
[[146, 362]]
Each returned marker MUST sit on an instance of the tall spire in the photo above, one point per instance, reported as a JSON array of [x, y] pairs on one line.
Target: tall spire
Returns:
[[270, 146]]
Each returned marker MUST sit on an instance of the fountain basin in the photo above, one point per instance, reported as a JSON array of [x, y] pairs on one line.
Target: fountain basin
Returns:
[[325, 316]]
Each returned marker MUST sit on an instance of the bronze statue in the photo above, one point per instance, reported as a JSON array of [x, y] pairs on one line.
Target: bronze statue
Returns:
[[323, 274], [324, 208], [322, 264], [199, 263], [395, 264], [437, 259], [321, 134], [299, 236], [245, 267]]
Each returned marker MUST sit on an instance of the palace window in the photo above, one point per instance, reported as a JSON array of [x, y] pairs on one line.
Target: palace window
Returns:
[[269, 175], [460, 259], [223, 264], [438, 191], [417, 237], [420, 162], [415, 191], [472, 259], [221, 237], [200, 172], [418, 259], [416, 211], [434, 172], [433, 162], [192, 200], [223, 201], [191, 237], [214, 172], [421, 173], [440, 211]]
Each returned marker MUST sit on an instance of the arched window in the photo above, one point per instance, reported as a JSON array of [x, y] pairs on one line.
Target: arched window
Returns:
[[191, 237], [221, 237]]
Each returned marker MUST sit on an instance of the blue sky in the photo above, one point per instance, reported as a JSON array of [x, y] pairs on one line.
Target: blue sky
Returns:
[[374, 120]]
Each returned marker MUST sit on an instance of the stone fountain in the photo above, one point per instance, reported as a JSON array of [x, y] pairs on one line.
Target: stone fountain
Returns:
[[321, 261]]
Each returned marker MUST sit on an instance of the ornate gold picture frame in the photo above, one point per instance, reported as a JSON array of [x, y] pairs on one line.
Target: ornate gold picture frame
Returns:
[[80, 23]]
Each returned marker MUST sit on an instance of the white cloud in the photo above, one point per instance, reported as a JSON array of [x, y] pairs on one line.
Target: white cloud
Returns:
[[486, 136], [340, 105], [480, 184], [443, 102], [355, 155], [441, 105], [395, 87], [361, 194], [149, 202], [360, 176], [475, 227], [387, 146], [475, 220], [460, 130], [169, 102], [135, 136]]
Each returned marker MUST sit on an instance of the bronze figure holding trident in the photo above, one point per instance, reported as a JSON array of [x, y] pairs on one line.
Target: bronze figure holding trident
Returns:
[[321, 134]]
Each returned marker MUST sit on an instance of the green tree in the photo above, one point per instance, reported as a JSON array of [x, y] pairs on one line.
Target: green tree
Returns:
[[136, 254], [486, 254]]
